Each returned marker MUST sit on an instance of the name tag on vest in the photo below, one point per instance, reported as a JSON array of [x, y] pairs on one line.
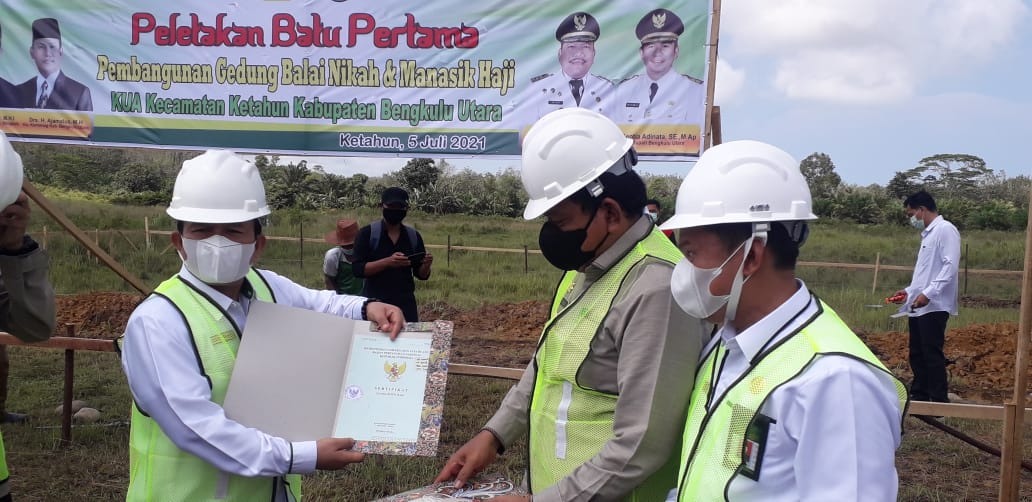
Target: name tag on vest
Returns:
[[631, 105], [754, 446]]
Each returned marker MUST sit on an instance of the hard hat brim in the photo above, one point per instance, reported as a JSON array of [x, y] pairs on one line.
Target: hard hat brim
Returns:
[[679, 221], [195, 215]]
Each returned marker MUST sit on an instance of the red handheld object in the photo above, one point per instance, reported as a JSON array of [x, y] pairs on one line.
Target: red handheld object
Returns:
[[896, 298]]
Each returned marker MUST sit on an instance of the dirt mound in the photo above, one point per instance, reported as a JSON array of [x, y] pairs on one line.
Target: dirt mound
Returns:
[[97, 315], [497, 335], [506, 335], [982, 355]]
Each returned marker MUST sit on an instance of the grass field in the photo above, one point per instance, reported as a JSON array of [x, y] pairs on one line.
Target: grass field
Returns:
[[94, 467]]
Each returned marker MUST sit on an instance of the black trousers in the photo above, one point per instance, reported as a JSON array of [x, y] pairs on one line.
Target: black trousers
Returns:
[[927, 361]]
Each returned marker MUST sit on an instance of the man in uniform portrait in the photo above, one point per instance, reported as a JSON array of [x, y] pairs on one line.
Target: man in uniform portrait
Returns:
[[574, 85], [660, 95]]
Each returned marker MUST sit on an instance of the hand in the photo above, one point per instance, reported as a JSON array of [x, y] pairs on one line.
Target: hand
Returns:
[[469, 460], [13, 221], [388, 318], [898, 297], [398, 260], [428, 260], [920, 301], [335, 453]]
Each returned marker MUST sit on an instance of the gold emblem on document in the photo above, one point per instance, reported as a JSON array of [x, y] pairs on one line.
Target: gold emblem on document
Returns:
[[393, 370]]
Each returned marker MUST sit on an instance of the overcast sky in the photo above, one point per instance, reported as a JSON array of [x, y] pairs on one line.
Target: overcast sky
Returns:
[[875, 84]]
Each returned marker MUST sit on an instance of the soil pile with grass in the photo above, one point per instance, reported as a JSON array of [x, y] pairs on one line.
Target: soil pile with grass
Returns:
[[506, 335]]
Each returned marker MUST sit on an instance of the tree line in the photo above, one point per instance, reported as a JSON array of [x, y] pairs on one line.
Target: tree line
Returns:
[[968, 192]]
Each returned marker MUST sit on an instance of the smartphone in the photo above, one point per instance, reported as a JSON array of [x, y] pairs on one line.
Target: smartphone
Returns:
[[416, 256]]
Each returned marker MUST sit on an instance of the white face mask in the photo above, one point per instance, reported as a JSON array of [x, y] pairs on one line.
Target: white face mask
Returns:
[[690, 287], [217, 260]]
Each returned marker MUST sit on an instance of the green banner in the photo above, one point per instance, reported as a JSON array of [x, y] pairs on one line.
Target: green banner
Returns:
[[350, 77]]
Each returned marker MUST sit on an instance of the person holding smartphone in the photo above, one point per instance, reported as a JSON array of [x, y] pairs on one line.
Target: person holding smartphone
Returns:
[[388, 255]]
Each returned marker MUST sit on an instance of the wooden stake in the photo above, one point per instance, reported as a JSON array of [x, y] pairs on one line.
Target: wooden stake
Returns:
[[1010, 461], [146, 231], [55, 213], [44, 243], [711, 75], [877, 263]]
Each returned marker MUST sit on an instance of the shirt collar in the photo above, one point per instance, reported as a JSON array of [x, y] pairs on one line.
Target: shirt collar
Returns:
[[751, 341], [603, 262], [51, 80], [928, 228]]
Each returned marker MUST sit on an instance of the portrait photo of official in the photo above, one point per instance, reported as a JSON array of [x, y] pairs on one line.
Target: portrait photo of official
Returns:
[[50, 88], [659, 95], [573, 85]]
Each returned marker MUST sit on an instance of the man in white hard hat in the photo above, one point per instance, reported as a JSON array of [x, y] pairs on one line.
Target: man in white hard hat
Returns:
[[26, 296], [788, 403], [179, 349], [609, 384]]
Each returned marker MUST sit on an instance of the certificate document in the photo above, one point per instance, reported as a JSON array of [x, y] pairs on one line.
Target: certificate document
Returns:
[[335, 377]]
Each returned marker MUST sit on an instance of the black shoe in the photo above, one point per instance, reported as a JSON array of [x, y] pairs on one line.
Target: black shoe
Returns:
[[14, 418]]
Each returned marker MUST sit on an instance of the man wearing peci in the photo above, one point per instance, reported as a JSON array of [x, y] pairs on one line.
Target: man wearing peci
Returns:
[[51, 88], [574, 85], [660, 95]]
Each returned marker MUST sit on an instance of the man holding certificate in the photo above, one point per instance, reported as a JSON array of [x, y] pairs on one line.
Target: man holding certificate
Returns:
[[599, 426], [180, 346]]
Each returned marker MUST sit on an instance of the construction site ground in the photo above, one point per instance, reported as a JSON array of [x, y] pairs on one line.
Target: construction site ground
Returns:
[[505, 335]]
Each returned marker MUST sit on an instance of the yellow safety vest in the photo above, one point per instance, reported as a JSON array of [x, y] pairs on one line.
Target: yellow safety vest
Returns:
[[712, 456], [569, 423], [158, 469], [5, 475]]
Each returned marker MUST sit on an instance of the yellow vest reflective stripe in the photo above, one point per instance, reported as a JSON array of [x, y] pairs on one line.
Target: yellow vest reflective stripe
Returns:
[[569, 423], [158, 469], [712, 456]]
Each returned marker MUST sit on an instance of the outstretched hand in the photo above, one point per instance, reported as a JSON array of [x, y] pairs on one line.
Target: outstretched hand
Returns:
[[335, 453], [388, 318], [469, 460]]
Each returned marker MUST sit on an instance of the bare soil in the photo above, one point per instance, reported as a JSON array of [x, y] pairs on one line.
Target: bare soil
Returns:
[[506, 335], [929, 462]]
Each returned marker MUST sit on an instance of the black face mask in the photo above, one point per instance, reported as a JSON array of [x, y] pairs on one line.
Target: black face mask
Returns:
[[394, 216], [563, 249]]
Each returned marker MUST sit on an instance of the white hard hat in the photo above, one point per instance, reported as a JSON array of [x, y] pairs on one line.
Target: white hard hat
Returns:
[[742, 182], [218, 186], [11, 172], [566, 150]]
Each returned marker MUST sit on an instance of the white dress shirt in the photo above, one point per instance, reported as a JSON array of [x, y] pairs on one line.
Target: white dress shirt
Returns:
[[162, 368], [936, 272], [679, 100], [835, 427], [553, 91], [51, 80]]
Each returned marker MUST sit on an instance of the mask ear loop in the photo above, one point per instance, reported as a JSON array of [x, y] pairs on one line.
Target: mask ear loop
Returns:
[[760, 233]]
